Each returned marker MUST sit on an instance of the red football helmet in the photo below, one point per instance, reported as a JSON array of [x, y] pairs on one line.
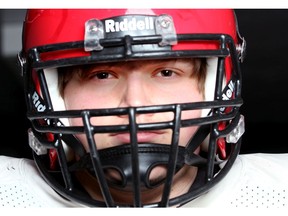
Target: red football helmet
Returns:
[[54, 38]]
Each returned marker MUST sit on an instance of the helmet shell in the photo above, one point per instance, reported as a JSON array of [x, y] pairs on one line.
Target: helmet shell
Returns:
[[51, 26]]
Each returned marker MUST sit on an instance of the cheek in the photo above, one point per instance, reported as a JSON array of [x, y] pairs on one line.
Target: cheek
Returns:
[[101, 139], [79, 100], [188, 132], [184, 92], [79, 95], [73, 96], [191, 95]]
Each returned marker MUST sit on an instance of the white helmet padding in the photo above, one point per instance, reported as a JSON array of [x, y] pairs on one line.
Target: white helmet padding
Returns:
[[58, 103]]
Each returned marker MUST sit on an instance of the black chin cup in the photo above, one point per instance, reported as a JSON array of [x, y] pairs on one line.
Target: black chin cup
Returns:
[[119, 160], [117, 164]]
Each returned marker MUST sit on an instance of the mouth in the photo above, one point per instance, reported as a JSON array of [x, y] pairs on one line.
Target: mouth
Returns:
[[142, 136]]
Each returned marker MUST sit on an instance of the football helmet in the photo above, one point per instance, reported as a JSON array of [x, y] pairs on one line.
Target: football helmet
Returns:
[[54, 38]]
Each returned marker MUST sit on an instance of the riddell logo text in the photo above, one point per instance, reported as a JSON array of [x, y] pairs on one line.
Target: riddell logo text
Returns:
[[131, 24], [37, 102], [228, 93]]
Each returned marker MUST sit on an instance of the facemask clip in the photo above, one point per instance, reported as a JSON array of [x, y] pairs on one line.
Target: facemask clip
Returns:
[[164, 26], [35, 144], [94, 31], [238, 131]]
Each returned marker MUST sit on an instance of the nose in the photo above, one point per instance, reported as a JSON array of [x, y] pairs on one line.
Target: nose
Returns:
[[137, 91]]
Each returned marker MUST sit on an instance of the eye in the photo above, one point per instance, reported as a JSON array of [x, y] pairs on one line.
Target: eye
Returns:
[[166, 73], [102, 75]]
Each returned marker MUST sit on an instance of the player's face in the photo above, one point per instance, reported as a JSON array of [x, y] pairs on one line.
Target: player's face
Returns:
[[140, 83]]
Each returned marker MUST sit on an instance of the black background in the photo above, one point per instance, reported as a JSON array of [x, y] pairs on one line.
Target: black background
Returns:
[[265, 81]]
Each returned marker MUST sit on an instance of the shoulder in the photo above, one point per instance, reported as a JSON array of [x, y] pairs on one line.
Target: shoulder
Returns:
[[255, 180], [266, 164], [263, 181], [21, 185], [10, 166], [272, 157]]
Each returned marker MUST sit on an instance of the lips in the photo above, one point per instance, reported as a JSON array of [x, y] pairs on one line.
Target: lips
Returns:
[[142, 137]]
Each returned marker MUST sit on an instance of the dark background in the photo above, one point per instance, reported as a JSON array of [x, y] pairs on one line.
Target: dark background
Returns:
[[265, 79]]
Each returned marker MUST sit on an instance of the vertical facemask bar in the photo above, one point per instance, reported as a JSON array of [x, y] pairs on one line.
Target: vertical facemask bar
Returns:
[[58, 144], [35, 55], [172, 157], [213, 135], [236, 68], [63, 164], [95, 158], [134, 157], [44, 90]]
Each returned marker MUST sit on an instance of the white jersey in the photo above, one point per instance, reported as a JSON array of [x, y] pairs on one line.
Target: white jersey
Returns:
[[21, 185], [255, 180]]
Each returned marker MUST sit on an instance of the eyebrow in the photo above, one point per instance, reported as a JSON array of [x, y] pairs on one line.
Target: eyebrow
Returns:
[[134, 63]]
